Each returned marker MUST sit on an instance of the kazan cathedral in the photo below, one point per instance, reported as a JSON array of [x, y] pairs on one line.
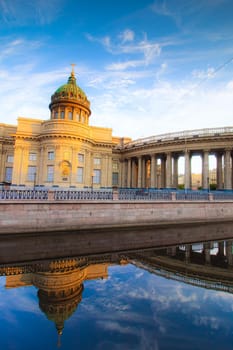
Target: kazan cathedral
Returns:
[[63, 151]]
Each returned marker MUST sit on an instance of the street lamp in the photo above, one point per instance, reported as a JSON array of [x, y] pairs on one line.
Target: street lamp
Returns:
[[208, 183], [34, 180], [92, 180], [158, 180]]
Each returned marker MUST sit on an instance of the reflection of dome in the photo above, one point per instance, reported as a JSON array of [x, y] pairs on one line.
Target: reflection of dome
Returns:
[[59, 306], [60, 291]]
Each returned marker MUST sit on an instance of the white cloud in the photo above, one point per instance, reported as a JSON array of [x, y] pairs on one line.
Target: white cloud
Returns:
[[204, 74], [125, 65], [127, 35], [164, 107], [161, 8], [207, 321], [126, 45], [39, 12]]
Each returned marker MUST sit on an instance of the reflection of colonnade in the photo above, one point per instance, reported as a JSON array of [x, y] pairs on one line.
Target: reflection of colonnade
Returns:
[[222, 256], [160, 170], [207, 264]]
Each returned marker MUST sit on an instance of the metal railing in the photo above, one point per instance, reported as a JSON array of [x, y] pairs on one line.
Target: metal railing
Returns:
[[24, 194], [123, 194], [192, 195], [144, 194], [83, 195]]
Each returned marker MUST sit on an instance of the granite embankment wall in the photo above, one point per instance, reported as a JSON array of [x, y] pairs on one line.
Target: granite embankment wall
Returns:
[[32, 216]]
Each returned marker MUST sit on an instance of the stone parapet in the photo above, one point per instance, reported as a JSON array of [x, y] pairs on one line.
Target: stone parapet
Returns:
[[31, 216]]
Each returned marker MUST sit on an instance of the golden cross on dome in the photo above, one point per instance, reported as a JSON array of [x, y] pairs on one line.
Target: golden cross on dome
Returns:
[[73, 65]]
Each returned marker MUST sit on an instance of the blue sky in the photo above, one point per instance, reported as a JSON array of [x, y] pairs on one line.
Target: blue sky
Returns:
[[147, 66]]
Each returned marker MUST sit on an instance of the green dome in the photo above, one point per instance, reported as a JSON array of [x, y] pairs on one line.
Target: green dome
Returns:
[[70, 91], [71, 87]]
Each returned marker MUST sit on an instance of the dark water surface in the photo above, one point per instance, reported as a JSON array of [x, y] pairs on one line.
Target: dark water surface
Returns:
[[169, 298]]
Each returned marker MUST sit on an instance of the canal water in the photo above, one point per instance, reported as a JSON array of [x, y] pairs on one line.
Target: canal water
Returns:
[[178, 297]]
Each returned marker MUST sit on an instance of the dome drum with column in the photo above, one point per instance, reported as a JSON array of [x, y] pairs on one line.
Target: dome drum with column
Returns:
[[70, 102]]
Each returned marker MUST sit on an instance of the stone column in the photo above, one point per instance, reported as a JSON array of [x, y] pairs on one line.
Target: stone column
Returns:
[[110, 171], [219, 171], [163, 172], [152, 171], [168, 170], [41, 175], [227, 170], [139, 185], [175, 171], [171, 251], [143, 172], [58, 150], [133, 182], [187, 171], [129, 173], [17, 176], [74, 156], [188, 250], [3, 168], [2, 163], [106, 171], [147, 179], [221, 248], [205, 170], [121, 172], [207, 253], [156, 170], [88, 169], [124, 173], [229, 247]]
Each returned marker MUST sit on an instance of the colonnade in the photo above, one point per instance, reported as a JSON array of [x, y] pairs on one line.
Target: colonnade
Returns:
[[224, 251], [160, 170]]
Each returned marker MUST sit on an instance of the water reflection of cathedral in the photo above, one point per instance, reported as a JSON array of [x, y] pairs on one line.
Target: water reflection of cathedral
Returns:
[[60, 282]]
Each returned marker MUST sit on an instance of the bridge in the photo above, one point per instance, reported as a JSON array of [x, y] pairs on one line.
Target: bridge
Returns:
[[153, 161]]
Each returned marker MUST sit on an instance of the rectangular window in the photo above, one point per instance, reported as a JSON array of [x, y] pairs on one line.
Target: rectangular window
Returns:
[[81, 158], [10, 159], [50, 173], [97, 161], [8, 174], [32, 156], [97, 176], [80, 175], [70, 115], [115, 166], [114, 179], [31, 173], [51, 155]]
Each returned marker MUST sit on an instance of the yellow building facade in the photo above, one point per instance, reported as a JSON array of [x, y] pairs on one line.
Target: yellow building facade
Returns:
[[64, 151]]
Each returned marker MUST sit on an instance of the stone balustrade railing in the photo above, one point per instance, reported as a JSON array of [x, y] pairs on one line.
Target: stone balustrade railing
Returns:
[[181, 135], [122, 194]]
